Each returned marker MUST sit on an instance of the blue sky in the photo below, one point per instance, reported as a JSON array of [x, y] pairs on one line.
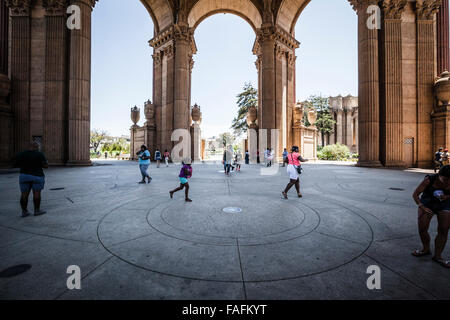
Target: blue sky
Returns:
[[122, 62]]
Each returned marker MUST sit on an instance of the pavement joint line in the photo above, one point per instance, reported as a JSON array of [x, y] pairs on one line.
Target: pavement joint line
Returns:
[[130, 240], [47, 236], [242, 271], [86, 275], [397, 238], [339, 238], [402, 276]]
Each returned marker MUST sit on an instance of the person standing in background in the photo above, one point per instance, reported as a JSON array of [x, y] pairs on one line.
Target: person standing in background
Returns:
[[31, 163], [157, 157], [166, 157], [144, 163]]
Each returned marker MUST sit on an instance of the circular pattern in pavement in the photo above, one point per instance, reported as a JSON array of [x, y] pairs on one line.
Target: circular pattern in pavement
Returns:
[[269, 240]]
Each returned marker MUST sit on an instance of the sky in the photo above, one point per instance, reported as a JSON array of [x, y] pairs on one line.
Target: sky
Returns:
[[327, 61]]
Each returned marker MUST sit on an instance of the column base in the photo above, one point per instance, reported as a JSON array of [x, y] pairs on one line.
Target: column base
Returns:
[[78, 163], [425, 164], [369, 164], [395, 164]]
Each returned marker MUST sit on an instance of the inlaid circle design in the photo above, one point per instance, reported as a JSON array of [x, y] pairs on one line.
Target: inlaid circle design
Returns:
[[267, 240]]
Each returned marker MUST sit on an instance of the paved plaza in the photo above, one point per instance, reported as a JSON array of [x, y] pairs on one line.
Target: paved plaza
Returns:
[[132, 241]]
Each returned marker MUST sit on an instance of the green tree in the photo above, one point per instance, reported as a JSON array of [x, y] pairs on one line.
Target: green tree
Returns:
[[225, 139], [325, 121], [97, 138], [246, 99]]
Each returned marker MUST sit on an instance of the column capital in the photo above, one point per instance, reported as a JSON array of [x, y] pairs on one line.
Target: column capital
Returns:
[[361, 5], [20, 7], [175, 33], [393, 9], [276, 34], [426, 9], [90, 3], [55, 7]]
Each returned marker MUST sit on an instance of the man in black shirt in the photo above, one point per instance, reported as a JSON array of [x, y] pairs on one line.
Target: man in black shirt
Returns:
[[31, 177]]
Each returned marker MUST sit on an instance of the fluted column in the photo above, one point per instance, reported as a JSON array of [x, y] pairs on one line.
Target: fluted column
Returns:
[[391, 103], [266, 118], [348, 128], [4, 23], [443, 38], [182, 36], [290, 97], [368, 87], [340, 126], [55, 106], [79, 113], [20, 71], [425, 12], [157, 96]]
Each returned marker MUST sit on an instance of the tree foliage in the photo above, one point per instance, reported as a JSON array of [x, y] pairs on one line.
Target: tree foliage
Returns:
[[246, 99], [325, 121], [97, 138]]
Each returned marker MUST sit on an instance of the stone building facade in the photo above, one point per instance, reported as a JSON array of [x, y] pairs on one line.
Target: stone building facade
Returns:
[[45, 93], [345, 113]]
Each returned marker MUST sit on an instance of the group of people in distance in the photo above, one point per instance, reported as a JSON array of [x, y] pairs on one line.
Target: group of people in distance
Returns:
[[432, 196], [441, 158]]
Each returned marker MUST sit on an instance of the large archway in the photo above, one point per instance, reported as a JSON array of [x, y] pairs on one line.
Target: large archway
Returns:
[[397, 60]]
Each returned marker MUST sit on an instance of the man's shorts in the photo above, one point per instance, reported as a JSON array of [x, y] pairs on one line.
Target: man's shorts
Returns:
[[183, 180], [28, 182]]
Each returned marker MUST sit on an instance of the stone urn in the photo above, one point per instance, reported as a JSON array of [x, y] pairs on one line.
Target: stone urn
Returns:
[[252, 115], [312, 116], [298, 114], [135, 115], [195, 113], [5, 86], [149, 110], [442, 88]]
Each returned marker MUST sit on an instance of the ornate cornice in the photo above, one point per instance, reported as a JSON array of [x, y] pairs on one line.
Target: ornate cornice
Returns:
[[272, 33], [55, 7], [175, 33], [393, 9], [426, 9], [20, 7]]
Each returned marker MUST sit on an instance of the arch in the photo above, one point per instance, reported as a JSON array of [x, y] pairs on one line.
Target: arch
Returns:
[[289, 12], [160, 12], [242, 8]]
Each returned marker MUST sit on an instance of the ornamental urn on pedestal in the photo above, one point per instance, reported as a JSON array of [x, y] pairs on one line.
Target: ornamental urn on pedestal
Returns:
[[135, 115]]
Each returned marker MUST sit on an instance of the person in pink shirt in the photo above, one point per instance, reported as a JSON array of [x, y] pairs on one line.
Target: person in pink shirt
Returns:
[[294, 160]]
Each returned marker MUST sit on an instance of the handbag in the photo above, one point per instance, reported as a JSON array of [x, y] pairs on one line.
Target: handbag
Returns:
[[298, 168]]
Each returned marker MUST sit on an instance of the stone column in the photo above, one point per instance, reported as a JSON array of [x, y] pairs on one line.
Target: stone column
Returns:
[[54, 105], [6, 116], [79, 113], [266, 119], [183, 37], [443, 38], [391, 103], [167, 95], [349, 128], [20, 71], [425, 12], [157, 97], [368, 87], [4, 33], [290, 97], [340, 126]]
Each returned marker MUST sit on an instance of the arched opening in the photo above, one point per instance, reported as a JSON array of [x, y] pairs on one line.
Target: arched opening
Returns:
[[327, 64], [121, 78], [220, 73]]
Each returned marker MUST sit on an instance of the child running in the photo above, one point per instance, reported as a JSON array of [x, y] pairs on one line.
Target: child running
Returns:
[[185, 174]]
